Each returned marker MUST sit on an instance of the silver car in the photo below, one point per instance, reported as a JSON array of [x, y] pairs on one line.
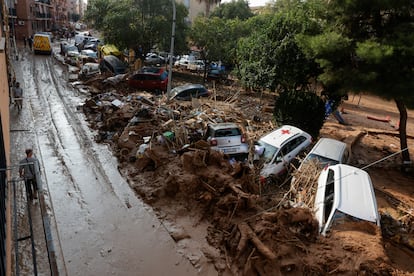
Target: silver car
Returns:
[[229, 139], [329, 151]]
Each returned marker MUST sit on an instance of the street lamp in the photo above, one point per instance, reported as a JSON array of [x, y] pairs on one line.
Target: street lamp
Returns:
[[171, 50]]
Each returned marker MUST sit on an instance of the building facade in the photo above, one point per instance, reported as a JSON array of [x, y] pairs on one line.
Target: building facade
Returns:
[[26, 17], [5, 192], [197, 7]]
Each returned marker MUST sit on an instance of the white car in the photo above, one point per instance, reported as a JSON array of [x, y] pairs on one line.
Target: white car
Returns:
[[328, 151], [90, 69], [344, 193], [278, 148], [324, 153], [196, 65], [228, 138]]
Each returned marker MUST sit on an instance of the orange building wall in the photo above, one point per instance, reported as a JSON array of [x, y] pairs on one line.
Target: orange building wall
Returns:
[[5, 121]]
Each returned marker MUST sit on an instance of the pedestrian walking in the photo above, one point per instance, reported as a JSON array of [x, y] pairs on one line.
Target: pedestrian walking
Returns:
[[30, 42], [18, 96], [28, 169], [24, 41]]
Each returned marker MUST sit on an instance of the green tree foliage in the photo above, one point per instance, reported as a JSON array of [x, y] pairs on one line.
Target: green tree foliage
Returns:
[[217, 37], [305, 110], [235, 9], [128, 23], [367, 46], [96, 11], [271, 57]]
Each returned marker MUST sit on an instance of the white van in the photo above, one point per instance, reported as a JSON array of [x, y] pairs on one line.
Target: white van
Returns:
[[344, 193]]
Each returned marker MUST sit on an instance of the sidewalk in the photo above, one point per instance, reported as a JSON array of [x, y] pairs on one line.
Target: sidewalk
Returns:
[[22, 136]]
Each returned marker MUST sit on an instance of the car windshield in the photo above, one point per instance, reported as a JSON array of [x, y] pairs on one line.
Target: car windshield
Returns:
[[175, 91], [323, 161], [268, 151], [227, 132]]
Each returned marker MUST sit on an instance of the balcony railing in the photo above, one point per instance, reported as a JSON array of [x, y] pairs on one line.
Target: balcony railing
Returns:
[[43, 15]]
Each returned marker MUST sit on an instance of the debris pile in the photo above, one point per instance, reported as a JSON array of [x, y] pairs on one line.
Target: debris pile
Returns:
[[162, 153]]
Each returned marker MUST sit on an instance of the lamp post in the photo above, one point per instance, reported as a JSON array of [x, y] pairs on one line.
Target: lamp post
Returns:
[[171, 50]]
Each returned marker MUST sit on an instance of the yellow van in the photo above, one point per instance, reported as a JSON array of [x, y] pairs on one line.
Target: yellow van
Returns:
[[42, 44]]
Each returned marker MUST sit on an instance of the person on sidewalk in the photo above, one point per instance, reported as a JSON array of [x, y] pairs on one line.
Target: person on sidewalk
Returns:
[[28, 169], [18, 96], [30, 41]]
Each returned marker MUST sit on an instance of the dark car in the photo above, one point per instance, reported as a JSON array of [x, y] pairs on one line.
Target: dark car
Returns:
[[150, 78], [216, 75], [113, 64], [188, 91]]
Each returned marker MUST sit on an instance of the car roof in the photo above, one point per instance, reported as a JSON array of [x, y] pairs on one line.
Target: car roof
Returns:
[[150, 70], [114, 60], [223, 126], [279, 136], [356, 195], [329, 148]]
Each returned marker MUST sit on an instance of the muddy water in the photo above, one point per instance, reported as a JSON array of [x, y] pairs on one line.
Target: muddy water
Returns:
[[99, 226]]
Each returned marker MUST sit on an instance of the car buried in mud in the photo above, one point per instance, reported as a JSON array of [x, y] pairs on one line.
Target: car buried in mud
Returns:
[[277, 149], [229, 139], [344, 194]]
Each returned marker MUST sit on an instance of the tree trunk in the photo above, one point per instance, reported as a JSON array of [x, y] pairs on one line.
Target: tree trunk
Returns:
[[403, 131]]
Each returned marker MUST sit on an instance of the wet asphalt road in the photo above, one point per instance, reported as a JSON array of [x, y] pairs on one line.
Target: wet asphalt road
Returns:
[[99, 227]]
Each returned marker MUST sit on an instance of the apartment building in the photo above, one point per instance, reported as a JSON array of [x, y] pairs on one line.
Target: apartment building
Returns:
[[27, 17], [197, 7]]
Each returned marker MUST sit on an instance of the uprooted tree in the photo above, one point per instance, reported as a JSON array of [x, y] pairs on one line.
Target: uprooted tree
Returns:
[[367, 47]]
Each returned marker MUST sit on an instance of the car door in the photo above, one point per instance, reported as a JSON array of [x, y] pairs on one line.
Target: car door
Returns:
[[288, 152], [293, 148]]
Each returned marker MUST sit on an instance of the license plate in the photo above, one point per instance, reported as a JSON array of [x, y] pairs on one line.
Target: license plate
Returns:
[[230, 150]]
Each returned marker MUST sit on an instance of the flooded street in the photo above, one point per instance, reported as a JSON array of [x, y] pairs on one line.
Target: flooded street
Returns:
[[99, 227]]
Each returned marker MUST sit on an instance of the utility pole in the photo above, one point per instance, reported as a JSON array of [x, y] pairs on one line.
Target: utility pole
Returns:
[[171, 49]]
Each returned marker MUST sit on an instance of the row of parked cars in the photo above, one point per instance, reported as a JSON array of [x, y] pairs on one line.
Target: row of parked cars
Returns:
[[344, 193]]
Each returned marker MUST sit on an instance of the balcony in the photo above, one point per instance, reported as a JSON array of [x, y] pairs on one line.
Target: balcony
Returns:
[[43, 15]]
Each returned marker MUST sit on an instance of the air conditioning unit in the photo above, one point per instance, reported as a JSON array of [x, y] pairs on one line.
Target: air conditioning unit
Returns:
[[21, 23]]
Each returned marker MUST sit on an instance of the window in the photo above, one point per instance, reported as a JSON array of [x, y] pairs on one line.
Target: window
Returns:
[[227, 132], [329, 194], [268, 151]]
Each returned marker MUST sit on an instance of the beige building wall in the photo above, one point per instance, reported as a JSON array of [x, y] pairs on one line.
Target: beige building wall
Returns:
[[196, 7]]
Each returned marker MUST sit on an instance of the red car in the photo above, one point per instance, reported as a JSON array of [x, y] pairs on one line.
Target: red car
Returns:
[[150, 78]]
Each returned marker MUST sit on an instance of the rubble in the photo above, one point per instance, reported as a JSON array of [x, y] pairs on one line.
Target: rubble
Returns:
[[258, 230]]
